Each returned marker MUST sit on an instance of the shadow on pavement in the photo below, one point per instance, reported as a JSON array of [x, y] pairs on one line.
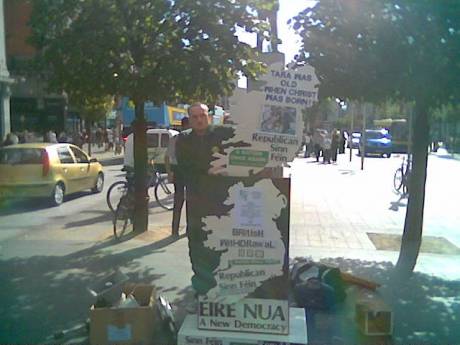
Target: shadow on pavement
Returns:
[[103, 216], [8, 207], [42, 295], [425, 308], [15, 206], [347, 172], [446, 156], [395, 205]]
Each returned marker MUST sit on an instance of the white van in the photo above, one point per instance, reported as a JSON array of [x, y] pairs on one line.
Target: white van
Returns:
[[157, 146]]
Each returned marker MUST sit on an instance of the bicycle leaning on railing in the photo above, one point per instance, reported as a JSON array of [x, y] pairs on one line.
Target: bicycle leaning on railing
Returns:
[[402, 176]]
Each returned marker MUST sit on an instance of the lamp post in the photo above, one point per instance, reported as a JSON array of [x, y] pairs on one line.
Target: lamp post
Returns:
[[352, 125], [362, 141]]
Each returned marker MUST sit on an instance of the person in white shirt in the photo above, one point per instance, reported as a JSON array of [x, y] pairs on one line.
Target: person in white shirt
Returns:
[[307, 141], [327, 145]]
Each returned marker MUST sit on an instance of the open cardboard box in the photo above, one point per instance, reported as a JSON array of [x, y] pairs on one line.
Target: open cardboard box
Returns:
[[373, 316], [109, 288], [125, 325]]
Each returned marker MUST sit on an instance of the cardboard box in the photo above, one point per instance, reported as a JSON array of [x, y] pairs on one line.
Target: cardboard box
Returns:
[[189, 333], [123, 326], [108, 289], [373, 315]]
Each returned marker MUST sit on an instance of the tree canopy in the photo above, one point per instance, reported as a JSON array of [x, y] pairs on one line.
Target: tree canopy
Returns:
[[92, 108], [157, 50], [377, 50]]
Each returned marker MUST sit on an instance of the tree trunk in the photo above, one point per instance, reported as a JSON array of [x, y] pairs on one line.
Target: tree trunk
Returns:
[[413, 225], [140, 169]]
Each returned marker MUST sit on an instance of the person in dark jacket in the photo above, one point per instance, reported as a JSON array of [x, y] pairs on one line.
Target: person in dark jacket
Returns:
[[194, 150], [334, 145], [342, 142], [174, 174]]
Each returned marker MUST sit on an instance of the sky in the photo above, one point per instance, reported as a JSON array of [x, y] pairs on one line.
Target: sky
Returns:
[[291, 41], [289, 9]]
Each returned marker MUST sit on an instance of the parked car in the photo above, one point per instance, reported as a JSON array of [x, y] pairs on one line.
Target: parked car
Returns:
[[354, 140], [47, 170], [377, 142], [127, 130], [157, 145]]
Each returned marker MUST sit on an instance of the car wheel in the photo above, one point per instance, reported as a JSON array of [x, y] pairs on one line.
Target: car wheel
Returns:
[[99, 184], [57, 197], [388, 155]]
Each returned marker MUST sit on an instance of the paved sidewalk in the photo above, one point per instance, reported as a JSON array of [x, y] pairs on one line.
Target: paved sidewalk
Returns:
[[443, 153], [101, 154], [334, 206], [332, 209]]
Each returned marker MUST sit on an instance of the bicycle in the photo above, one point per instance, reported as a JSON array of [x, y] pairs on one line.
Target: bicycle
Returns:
[[401, 177], [162, 188], [124, 213]]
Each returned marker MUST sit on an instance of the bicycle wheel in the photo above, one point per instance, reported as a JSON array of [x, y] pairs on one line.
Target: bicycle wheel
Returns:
[[406, 185], [398, 179], [164, 193], [115, 193], [122, 218]]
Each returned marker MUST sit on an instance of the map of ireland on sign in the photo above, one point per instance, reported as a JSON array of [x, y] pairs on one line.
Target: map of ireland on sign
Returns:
[[245, 231], [252, 247]]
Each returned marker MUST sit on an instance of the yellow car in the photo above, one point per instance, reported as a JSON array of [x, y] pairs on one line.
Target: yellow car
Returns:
[[47, 170]]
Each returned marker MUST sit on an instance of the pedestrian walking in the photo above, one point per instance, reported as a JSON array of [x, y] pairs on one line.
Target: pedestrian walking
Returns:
[[342, 142], [317, 144], [109, 135], [334, 145], [118, 141], [99, 137], [307, 141], [11, 139], [327, 145], [77, 139], [174, 174], [63, 137], [24, 137], [50, 137]]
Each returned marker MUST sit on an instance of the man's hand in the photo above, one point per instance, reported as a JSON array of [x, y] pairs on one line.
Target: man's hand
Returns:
[[219, 165]]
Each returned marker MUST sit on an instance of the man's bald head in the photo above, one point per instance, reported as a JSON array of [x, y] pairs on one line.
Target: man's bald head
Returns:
[[199, 117]]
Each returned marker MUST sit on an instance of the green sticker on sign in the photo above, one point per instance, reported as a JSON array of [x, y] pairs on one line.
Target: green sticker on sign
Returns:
[[249, 158]]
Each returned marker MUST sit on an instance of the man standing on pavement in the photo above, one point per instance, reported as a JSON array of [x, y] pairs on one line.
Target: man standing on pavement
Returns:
[[194, 150], [176, 177]]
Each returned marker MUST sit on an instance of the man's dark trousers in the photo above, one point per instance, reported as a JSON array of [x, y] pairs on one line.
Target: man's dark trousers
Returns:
[[179, 197], [204, 260]]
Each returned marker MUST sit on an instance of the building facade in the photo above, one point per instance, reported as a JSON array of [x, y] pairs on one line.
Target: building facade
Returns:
[[32, 107], [5, 82]]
